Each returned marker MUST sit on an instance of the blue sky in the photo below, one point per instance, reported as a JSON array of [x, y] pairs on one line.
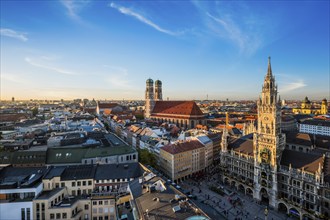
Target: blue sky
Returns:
[[107, 49]]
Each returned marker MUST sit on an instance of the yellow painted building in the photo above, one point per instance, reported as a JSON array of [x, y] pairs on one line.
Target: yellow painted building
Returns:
[[307, 108]]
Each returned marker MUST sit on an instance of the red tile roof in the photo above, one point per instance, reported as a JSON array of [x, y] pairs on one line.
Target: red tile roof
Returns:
[[13, 117], [179, 147], [107, 105], [177, 107]]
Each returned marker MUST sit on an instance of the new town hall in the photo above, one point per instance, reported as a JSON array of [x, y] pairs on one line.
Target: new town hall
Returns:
[[287, 172]]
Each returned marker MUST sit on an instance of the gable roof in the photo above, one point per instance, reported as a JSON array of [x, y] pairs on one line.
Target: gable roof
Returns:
[[13, 117], [78, 172], [298, 138], [243, 145], [106, 105], [179, 147], [186, 108], [118, 171], [299, 160]]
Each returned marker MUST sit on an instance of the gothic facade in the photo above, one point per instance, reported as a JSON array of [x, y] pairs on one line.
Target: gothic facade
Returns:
[[290, 177]]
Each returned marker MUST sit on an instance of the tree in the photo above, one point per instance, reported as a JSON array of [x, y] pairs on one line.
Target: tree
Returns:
[[35, 111], [106, 125], [147, 158]]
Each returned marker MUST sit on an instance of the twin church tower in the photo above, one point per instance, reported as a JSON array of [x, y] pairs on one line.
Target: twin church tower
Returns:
[[152, 95]]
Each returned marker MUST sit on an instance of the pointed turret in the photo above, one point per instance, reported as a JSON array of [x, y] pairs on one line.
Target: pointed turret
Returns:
[[279, 100], [269, 71]]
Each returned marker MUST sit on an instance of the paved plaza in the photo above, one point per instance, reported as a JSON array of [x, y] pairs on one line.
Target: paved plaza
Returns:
[[232, 207]]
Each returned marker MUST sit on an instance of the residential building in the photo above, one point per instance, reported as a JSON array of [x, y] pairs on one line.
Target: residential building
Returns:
[[104, 107], [153, 198], [315, 126], [97, 148], [183, 159], [18, 188]]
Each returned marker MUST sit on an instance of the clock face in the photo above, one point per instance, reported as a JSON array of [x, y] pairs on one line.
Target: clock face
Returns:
[[266, 118]]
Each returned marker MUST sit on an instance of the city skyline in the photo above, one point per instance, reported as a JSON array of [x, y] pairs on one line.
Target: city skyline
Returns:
[[107, 49]]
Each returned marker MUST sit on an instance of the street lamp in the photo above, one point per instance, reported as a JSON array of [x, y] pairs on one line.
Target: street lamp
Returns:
[[266, 213]]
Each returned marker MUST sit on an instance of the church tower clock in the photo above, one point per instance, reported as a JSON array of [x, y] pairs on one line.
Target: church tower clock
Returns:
[[269, 142]]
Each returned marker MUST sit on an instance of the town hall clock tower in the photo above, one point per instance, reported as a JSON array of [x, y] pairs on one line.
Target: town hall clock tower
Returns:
[[269, 142]]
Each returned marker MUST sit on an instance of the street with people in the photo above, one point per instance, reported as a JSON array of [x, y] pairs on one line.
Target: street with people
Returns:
[[235, 206]]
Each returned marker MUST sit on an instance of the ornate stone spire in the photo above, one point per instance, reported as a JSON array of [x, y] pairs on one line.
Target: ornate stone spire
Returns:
[[269, 71]]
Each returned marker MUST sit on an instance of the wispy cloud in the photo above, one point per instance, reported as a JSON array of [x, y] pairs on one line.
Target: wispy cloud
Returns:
[[117, 77], [233, 22], [289, 83], [14, 34], [118, 82], [129, 12], [231, 30], [118, 69], [11, 78], [39, 63], [74, 8], [288, 87], [247, 42]]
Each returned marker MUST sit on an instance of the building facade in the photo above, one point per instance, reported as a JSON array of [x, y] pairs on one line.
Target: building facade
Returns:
[[18, 188], [307, 108], [320, 127], [289, 177], [184, 159]]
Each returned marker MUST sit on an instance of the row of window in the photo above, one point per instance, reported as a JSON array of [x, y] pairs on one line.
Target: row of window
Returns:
[[106, 160], [105, 202], [81, 192], [112, 217], [58, 215], [103, 210], [112, 180], [81, 183]]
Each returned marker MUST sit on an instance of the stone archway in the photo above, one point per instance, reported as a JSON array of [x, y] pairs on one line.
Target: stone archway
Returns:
[[241, 188], [233, 184], [226, 181], [249, 191], [282, 207], [264, 183], [264, 196], [294, 213], [263, 175]]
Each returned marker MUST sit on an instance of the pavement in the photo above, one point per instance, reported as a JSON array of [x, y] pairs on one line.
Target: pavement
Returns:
[[224, 207]]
